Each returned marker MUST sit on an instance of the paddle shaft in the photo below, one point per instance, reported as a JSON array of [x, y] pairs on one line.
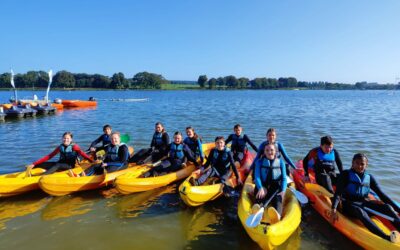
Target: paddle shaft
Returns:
[[270, 198]]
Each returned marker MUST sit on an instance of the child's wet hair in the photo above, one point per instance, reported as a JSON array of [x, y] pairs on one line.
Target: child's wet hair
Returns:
[[360, 156], [326, 140], [68, 133]]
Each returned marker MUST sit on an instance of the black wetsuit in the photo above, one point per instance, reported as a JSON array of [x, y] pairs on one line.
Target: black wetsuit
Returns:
[[114, 162], [238, 145], [354, 206], [158, 149], [324, 166], [176, 159], [220, 162]]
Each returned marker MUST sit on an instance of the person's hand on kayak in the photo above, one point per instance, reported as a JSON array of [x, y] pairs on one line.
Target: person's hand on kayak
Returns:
[[333, 216], [261, 193], [307, 178], [282, 194], [240, 182], [199, 171], [28, 169], [92, 149]]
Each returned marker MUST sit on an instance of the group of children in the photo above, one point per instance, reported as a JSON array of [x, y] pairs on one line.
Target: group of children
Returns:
[[270, 172]]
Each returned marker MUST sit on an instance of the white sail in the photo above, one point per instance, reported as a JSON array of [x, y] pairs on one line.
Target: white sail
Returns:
[[12, 79], [48, 86]]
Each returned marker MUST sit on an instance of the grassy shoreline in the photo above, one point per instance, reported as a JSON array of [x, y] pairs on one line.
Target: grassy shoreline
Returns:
[[164, 87]]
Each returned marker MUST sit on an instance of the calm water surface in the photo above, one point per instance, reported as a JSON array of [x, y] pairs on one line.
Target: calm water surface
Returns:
[[366, 121]]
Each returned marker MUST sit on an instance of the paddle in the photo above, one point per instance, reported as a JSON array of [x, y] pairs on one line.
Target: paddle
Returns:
[[302, 198], [255, 219], [299, 196]]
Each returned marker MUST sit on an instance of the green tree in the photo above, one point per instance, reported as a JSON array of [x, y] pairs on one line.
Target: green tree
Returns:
[[231, 82], [5, 80], [202, 81], [221, 81], [148, 80], [243, 82], [64, 79], [101, 81], [212, 83], [118, 81]]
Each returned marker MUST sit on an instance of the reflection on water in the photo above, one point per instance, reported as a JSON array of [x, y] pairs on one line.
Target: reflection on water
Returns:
[[67, 206], [201, 223], [132, 205], [21, 206]]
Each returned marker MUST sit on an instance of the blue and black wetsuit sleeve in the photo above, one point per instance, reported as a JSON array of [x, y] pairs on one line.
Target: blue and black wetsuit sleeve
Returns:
[[95, 142], [386, 199], [283, 175], [123, 155], [282, 150], [338, 161], [257, 174], [247, 140], [232, 163], [341, 183]]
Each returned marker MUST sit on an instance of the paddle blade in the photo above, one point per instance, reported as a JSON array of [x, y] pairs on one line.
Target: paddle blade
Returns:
[[299, 196], [125, 138], [255, 219]]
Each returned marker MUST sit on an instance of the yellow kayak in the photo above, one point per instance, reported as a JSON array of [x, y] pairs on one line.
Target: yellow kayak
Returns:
[[132, 182], [18, 183], [350, 227], [198, 195], [269, 236], [62, 183]]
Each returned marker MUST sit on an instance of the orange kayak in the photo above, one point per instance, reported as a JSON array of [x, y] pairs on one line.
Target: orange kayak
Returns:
[[78, 103], [350, 227]]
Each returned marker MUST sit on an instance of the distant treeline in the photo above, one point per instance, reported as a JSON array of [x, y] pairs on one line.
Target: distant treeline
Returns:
[[65, 79], [146, 80], [231, 82]]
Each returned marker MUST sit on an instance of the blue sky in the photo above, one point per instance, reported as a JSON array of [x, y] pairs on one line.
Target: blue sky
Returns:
[[338, 41]]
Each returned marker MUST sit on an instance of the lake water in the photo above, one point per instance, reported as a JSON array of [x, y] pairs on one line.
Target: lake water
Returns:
[[359, 121]]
